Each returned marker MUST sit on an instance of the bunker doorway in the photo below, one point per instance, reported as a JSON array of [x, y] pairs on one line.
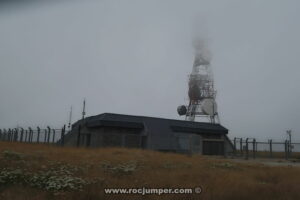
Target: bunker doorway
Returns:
[[213, 148]]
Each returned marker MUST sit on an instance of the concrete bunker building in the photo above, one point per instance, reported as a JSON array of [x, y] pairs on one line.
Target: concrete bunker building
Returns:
[[182, 136]]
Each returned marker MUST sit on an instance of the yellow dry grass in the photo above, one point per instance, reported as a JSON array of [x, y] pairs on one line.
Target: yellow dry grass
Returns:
[[219, 177]]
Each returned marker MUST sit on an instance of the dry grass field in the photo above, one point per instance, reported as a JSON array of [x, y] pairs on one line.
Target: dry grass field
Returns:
[[40, 172]]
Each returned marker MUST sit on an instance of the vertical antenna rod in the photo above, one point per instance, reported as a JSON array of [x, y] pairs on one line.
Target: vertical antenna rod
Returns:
[[70, 118], [83, 110]]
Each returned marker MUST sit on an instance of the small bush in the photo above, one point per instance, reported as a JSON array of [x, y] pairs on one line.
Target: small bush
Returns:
[[51, 180], [225, 165], [11, 176], [11, 155], [58, 178], [120, 169], [170, 165]]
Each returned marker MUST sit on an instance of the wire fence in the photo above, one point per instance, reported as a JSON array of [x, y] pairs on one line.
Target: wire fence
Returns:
[[246, 148], [250, 148], [47, 135]]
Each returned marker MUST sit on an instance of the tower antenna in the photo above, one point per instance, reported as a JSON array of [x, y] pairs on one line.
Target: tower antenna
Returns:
[[83, 110], [70, 118], [201, 92]]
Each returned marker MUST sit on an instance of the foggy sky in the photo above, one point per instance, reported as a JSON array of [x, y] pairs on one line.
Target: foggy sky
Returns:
[[134, 57]]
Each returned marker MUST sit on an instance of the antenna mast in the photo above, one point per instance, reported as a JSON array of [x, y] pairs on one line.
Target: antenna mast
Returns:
[[70, 118], [201, 92], [83, 110]]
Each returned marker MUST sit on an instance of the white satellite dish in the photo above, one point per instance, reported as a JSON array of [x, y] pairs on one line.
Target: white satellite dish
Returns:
[[209, 107]]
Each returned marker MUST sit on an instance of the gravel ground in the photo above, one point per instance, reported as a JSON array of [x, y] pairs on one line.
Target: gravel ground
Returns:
[[270, 162]]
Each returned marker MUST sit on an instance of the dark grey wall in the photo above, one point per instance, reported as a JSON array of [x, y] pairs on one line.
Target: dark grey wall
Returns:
[[156, 135]]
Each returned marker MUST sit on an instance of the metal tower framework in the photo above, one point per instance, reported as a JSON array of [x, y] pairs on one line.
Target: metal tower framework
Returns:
[[201, 92]]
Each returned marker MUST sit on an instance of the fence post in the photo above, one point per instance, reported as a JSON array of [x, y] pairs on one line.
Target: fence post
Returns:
[[78, 136], [254, 148], [241, 146], [13, 133], [271, 153], [22, 133], [45, 136], [31, 139], [49, 131], [62, 139], [290, 149], [17, 137], [30, 134], [247, 151], [5, 134], [286, 149], [234, 146], [38, 134], [26, 133], [53, 139], [16, 134], [9, 134], [0, 134]]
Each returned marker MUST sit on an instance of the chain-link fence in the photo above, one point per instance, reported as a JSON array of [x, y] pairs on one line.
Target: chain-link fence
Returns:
[[250, 148], [47, 135], [243, 147]]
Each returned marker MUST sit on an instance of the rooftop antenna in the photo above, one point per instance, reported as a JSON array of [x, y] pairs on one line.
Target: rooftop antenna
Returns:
[[83, 110], [70, 118]]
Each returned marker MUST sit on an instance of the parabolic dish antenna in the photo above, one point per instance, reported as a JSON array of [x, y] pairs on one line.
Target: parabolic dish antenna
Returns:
[[209, 107], [181, 110]]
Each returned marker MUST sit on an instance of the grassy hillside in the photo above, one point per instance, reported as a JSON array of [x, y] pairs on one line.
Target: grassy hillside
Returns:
[[31, 171]]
